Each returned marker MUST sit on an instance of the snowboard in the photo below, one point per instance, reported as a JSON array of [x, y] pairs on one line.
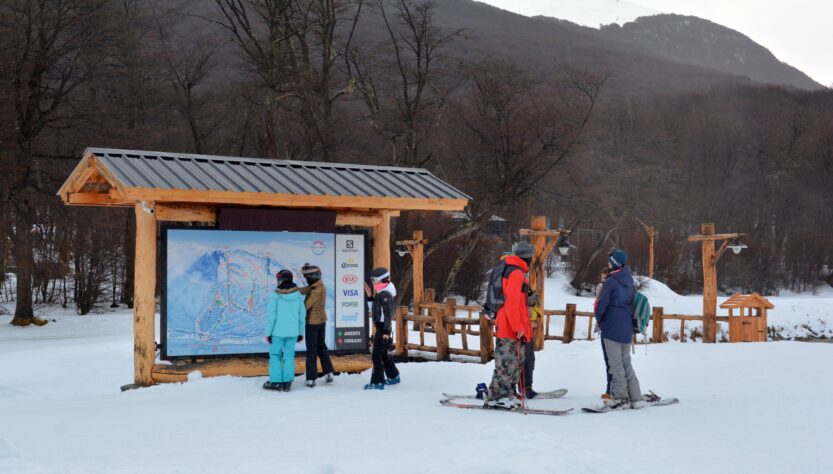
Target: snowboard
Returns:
[[541, 395], [659, 403], [531, 411]]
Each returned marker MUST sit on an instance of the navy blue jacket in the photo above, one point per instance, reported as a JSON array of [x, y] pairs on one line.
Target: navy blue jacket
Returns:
[[614, 309]]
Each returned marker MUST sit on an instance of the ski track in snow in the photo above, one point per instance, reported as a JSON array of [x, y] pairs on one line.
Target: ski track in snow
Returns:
[[752, 407]]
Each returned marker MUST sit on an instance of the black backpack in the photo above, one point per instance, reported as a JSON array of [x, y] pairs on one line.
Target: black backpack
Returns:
[[495, 298]]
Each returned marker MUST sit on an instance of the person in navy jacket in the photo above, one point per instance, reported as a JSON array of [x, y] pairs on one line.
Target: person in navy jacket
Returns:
[[614, 315]]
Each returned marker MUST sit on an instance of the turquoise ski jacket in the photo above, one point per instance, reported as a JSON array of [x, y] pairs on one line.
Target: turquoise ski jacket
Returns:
[[286, 313]]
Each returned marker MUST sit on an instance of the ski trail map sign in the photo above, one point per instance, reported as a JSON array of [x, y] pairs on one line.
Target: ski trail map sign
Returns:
[[218, 284]]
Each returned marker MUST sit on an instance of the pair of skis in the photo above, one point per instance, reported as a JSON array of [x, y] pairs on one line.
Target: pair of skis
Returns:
[[449, 402]]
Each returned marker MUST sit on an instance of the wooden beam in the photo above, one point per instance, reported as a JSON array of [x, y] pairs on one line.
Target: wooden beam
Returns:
[[94, 199], [542, 232], [358, 219], [144, 297], [723, 247], [381, 241], [185, 213], [72, 179], [251, 367], [707, 237], [292, 200]]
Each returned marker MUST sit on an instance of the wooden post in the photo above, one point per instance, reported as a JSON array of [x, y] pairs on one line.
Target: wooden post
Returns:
[[401, 330], [381, 241], [656, 317], [417, 253], [652, 232], [590, 328], [709, 285], [536, 273], [569, 324], [144, 296], [485, 339], [451, 311], [441, 334]]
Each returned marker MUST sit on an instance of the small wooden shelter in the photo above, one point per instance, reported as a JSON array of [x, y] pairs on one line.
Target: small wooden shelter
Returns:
[[750, 324], [162, 186]]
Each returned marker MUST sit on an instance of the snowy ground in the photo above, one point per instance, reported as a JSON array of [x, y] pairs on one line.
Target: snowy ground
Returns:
[[748, 407]]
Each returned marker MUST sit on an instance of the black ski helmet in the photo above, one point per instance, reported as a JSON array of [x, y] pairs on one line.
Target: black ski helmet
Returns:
[[380, 274], [311, 273], [284, 276]]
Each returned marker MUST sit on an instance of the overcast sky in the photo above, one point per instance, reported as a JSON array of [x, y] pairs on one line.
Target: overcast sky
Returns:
[[798, 32]]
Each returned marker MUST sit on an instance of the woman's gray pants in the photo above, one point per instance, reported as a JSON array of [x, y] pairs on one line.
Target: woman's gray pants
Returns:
[[622, 381]]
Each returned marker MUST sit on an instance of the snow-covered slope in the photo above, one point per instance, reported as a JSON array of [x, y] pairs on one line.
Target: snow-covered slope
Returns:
[[592, 13], [61, 412]]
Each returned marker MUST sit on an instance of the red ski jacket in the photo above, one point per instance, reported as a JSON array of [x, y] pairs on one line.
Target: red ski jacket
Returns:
[[514, 315]]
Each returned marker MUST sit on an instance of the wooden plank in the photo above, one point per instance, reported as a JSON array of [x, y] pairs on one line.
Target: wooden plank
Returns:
[[358, 219], [72, 181], [465, 352], [144, 298], [293, 200], [420, 347], [185, 213], [251, 367]]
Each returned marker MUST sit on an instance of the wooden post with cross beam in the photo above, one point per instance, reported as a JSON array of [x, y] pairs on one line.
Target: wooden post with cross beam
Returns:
[[652, 235], [416, 249], [543, 240], [711, 256]]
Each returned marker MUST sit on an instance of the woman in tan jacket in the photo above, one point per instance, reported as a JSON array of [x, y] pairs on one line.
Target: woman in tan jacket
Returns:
[[316, 299]]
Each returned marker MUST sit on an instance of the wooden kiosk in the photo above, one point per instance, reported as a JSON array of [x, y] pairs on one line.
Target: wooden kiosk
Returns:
[[750, 325], [177, 187]]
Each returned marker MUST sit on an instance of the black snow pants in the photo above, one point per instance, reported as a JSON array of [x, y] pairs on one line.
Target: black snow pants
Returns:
[[317, 349], [382, 365]]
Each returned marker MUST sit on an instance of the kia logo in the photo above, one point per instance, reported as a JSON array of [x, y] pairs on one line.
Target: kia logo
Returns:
[[349, 279]]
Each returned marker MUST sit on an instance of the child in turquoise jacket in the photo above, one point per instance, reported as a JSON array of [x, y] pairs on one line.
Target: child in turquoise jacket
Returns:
[[285, 320]]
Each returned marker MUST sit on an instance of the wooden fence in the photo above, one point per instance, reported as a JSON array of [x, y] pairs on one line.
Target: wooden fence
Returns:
[[442, 320]]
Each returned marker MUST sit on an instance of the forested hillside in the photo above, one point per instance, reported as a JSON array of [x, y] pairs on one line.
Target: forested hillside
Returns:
[[527, 115]]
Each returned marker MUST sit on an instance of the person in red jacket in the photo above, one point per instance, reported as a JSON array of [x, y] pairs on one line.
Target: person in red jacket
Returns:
[[513, 329]]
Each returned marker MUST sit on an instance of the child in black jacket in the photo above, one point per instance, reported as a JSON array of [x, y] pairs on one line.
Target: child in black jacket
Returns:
[[382, 311]]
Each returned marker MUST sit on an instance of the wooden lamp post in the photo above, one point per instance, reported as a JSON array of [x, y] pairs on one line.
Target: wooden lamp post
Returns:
[[710, 258], [652, 234], [415, 248], [544, 241]]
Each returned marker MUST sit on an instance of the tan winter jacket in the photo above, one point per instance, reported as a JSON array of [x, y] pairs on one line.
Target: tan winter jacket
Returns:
[[316, 298]]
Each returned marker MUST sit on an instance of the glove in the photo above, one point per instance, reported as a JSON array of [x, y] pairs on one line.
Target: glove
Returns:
[[300, 338], [386, 336], [268, 339]]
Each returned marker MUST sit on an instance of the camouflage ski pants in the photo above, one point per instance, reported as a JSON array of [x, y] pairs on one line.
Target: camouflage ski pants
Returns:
[[507, 368]]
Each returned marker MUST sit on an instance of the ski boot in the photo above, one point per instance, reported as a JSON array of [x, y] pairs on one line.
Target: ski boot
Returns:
[[272, 385], [393, 381], [310, 383], [530, 394], [617, 404], [505, 403], [374, 386], [328, 378], [286, 386]]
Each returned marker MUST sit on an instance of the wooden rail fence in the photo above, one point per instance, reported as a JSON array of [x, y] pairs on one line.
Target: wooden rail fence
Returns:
[[442, 320]]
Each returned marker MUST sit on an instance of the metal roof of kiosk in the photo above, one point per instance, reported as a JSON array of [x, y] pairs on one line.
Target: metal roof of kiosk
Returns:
[[122, 177]]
